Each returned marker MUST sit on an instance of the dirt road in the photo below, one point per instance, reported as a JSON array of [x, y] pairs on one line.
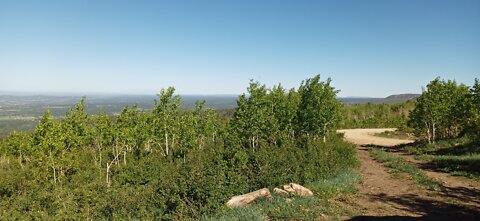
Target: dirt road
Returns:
[[384, 197]]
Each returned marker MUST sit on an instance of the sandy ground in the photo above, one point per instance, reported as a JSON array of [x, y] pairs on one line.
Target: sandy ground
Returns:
[[367, 136], [384, 197]]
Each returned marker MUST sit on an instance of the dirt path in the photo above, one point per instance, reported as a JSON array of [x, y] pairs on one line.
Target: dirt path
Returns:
[[382, 197]]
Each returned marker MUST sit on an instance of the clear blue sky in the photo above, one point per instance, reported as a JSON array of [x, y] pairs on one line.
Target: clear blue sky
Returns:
[[368, 48]]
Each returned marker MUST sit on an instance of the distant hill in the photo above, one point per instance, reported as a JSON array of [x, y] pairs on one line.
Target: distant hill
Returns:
[[359, 100], [401, 98], [396, 98]]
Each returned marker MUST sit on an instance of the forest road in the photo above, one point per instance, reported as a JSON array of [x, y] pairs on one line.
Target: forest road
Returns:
[[382, 196]]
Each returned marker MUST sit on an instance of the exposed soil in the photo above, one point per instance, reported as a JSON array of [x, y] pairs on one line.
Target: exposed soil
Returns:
[[384, 197]]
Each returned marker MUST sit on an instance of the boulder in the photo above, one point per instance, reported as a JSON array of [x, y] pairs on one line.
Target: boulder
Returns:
[[281, 192], [297, 189], [246, 199]]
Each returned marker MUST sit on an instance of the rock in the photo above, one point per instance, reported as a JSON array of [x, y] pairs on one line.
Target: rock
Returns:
[[297, 189], [246, 199], [280, 192]]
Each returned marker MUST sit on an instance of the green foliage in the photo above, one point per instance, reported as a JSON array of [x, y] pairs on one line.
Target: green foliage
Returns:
[[473, 116], [314, 160], [441, 111], [254, 121], [172, 164], [458, 156], [376, 115], [464, 165], [319, 110]]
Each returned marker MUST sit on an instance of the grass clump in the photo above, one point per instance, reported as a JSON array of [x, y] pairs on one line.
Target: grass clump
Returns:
[[458, 156], [398, 165], [345, 183], [251, 213], [464, 165]]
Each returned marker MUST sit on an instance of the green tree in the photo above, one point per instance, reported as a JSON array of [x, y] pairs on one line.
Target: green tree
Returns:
[[165, 117], [439, 112], [284, 108], [319, 110], [254, 120], [18, 144], [474, 115], [75, 125], [103, 134], [48, 145]]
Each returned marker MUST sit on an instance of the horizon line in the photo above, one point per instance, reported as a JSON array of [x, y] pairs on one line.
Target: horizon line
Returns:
[[66, 94]]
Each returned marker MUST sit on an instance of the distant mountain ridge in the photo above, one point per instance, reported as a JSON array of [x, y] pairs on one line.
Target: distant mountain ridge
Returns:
[[395, 98], [403, 97]]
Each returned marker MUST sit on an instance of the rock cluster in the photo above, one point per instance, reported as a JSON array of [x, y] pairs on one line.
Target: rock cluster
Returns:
[[288, 190]]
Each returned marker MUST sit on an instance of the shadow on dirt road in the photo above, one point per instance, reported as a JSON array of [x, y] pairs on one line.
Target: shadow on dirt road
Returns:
[[383, 197], [432, 209]]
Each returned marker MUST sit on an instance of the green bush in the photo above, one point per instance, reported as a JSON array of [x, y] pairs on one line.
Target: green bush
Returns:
[[169, 163]]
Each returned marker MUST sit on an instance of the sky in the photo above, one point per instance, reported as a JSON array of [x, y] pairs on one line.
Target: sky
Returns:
[[368, 48]]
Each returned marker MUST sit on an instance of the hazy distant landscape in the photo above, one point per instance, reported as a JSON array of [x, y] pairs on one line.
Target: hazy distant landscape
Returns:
[[22, 112]]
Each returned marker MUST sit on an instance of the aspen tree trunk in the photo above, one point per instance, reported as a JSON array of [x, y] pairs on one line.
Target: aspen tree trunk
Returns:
[[20, 159], [253, 144], [116, 154], [54, 175], [324, 132], [108, 172], [53, 168], [200, 142], [109, 165], [428, 132], [166, 143]]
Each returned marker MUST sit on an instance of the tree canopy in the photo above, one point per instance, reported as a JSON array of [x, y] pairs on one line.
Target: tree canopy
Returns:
[[169, 163], [445, 109]]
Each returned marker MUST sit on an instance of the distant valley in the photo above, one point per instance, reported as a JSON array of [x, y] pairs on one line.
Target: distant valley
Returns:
[[21, 112]]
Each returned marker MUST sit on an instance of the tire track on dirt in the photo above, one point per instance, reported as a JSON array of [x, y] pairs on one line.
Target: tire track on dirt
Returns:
[[383, 197]]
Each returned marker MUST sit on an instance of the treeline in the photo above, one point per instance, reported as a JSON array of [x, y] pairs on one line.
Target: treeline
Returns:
[[169, 163], [376, 115], [447, 109]]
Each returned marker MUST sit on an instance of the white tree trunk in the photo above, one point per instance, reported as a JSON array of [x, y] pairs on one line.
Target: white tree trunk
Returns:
[[124, 157], [166, 143], [53, 168], [433, 132], [107, 176], [54, 175], [428, 132]]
